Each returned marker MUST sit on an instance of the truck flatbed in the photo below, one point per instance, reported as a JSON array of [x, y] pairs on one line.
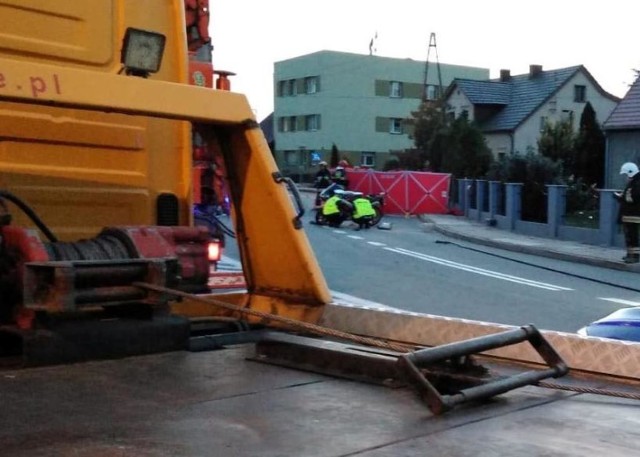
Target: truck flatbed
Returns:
[[221, 403]]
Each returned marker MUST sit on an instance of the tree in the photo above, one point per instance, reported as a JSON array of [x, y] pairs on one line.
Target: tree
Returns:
[[557, 143], [467, 152], [448, 145], [590, 149], [429, 126], [335, 156]]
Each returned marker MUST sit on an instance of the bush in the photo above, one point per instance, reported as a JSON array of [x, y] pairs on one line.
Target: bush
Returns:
[[534, 172]]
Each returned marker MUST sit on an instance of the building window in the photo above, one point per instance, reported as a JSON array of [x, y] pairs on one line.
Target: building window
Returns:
[[579, 94], [431, 92], [283, 88], [395, 89], [293, 90], [292, 157], [567, 115], [395, 125], [368, 159], [288, 124], [311, 85], [312, 122]]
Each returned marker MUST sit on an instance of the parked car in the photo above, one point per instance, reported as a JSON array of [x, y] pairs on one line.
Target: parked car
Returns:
[[623, 324]]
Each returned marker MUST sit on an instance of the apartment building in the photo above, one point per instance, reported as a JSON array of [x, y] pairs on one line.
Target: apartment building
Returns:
[[356, 102]]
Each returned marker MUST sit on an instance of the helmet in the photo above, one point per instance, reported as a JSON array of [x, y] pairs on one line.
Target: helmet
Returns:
[[322, 164], [630, 169]]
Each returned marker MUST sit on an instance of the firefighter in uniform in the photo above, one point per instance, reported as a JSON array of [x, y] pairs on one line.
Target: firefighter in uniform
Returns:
[[629, 214], [363, 212]]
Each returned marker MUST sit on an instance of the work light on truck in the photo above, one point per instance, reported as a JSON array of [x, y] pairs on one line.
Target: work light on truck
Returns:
[[142, 52]]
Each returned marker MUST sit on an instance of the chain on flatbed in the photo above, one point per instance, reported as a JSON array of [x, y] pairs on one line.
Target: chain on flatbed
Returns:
[[320, 330]]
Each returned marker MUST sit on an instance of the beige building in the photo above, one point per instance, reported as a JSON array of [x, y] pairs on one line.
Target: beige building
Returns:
[[512, 110]]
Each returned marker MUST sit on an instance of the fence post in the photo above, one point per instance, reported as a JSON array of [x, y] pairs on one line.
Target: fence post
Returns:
[[494, 199], [466, 191], [556, 207], [607, 213], [481, 186], [514, 204], [462, 195]]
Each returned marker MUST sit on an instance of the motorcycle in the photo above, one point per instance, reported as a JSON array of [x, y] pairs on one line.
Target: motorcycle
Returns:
[[345, 206]]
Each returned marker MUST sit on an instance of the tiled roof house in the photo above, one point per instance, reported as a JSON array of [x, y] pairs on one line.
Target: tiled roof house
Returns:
[[622, 131], [512, 110]]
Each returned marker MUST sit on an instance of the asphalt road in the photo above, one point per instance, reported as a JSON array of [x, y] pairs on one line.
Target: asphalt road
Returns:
[[417, 270]]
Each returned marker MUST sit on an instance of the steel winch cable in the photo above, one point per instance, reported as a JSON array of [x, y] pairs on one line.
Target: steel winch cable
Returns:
[[293, 323], [320, 330]]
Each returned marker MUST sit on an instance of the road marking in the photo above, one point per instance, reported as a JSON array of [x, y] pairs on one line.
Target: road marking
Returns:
[[480, 271], [355, 237], [376, 243], [622, 302], [339, 231]]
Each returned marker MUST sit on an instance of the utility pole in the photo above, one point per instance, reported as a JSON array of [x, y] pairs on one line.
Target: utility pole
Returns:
[[438, 94]]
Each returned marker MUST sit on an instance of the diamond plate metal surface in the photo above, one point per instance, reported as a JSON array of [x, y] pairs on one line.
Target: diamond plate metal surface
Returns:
[[598, 355]]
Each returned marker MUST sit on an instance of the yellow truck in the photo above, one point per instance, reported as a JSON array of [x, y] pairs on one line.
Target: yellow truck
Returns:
[[111, 342]]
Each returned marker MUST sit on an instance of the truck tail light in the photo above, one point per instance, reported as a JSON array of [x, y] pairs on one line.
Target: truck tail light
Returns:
[[214, 250]]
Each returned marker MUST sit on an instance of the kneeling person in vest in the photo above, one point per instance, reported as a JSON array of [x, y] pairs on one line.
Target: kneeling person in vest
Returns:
[[331, 211], [363, 212]]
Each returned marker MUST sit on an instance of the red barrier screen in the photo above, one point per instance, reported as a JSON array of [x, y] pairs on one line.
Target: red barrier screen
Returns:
[[407, 192]]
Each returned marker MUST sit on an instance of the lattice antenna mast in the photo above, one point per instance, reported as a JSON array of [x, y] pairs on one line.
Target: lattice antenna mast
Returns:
[[438, 94]]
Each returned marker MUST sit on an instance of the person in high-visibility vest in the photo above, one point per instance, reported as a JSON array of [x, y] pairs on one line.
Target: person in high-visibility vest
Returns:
[[363, 212], [331, 210]]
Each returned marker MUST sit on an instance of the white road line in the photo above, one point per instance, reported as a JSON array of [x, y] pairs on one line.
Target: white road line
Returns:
[[480, 271], [376, 243], [622, 302], [339, 231], [355, 237]]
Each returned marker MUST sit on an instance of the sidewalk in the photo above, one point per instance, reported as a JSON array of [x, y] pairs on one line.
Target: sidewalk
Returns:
[[462, 228], [475, 232]]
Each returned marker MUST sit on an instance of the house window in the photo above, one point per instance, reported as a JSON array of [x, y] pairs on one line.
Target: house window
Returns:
[[292, 124], [395, 125], [312, 122], [579, 94], [311, 85], [567, 115], [395, 90], [543, 122], [368, 159], [293, 89]]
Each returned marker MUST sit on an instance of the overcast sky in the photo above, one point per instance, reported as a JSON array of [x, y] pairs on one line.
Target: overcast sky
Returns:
[[250, 35]]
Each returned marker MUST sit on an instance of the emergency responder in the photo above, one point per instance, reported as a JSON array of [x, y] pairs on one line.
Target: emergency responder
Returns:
[[340, 174], [323, 176], [333, 210], [363, 212], [629, 213]]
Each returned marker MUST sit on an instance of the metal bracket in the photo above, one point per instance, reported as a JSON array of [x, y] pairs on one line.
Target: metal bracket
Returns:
[[438, 403], [278, 178]]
